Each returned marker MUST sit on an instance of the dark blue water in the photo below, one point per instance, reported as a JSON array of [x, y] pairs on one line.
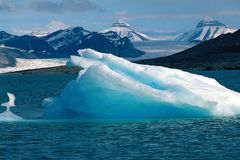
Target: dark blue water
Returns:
[[30, 90], [151, 139], [110, 139]]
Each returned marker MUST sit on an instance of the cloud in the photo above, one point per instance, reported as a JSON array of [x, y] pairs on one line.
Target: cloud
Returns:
[[6, 6], [56, 25], [49, 6], [122, 15], [61, 6], [49, 28]]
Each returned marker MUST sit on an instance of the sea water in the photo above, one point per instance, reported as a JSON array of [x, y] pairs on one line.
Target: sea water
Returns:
[[198, 138]]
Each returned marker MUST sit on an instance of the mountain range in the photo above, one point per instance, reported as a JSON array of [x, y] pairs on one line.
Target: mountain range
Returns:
[[222, 52], [63, 43], [216, 48], [205, 30]]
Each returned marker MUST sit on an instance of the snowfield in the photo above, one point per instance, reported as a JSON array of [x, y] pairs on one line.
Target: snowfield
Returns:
[[29, 64], [112, 87]]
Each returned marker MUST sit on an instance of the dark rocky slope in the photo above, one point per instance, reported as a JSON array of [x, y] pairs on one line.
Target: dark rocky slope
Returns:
[[222, 52]]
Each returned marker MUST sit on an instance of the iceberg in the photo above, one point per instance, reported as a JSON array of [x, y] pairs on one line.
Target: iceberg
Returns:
[[8, 115], [112, 87]]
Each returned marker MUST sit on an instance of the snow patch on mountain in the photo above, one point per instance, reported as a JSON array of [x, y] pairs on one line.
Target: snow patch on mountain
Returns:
[[66, 37], [4, 36], [39, 33]]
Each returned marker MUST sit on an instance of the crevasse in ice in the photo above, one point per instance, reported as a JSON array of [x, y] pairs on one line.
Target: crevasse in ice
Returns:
[[111, 87]]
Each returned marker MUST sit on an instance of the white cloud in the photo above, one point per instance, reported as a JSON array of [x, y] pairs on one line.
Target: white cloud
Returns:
[[52, 26], [56, 25]]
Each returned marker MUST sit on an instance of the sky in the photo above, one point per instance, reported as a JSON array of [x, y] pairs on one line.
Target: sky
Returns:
[[24, 16]]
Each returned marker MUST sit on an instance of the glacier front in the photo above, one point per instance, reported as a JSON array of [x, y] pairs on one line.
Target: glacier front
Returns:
[[112, 87]]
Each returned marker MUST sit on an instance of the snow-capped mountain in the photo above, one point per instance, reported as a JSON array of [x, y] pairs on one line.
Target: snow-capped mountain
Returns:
[[31, 44], [220, 53], [67, 38], [4, 36], [69, 41], [205, 30], [66, 42], [123, 29]]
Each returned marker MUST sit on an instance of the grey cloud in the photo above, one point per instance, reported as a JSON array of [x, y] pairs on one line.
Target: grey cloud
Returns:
[[6, 6], [64, 6]]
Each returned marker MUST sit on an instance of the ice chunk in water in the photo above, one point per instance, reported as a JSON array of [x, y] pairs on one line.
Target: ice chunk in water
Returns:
[[8, 115], [112, 87]]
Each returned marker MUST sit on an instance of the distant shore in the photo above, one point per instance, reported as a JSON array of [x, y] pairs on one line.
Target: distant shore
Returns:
[[75, 70], [51, 70], [191, 65]]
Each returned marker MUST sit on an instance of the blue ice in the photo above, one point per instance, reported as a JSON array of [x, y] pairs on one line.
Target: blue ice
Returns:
[[112, 87]]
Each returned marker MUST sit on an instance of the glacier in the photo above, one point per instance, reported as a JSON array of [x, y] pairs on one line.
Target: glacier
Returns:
[[112, 87], [8, 115]]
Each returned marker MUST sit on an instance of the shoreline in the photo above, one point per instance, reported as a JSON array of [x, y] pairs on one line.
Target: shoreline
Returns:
[[52, 70], [75, 70]]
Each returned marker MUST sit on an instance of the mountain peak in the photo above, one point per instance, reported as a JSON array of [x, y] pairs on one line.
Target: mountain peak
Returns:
[[206, 29], [123, 29], [208, 21]]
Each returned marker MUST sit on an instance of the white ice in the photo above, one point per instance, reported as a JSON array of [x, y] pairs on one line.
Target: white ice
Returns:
[[29, 64], [8, 115], [111, 87]]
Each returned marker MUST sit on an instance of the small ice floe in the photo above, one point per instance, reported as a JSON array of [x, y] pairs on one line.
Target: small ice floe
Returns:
[[8, 115]]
